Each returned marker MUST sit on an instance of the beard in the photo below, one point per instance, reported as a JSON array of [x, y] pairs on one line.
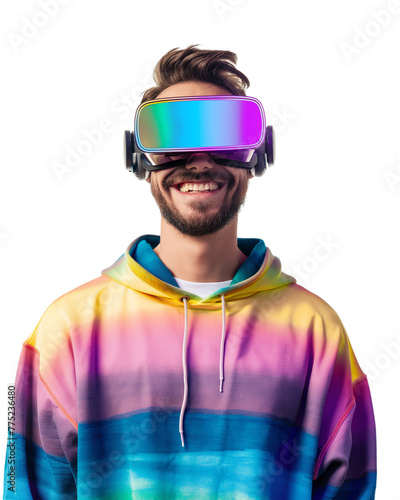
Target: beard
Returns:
[[201, 223]]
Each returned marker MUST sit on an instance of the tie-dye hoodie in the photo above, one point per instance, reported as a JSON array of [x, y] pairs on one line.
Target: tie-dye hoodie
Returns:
[[132, 388]]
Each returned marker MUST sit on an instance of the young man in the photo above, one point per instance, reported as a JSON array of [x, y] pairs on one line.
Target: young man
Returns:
[[193, 367]]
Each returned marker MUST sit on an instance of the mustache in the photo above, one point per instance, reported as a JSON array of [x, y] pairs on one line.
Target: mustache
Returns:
[[187, 176]]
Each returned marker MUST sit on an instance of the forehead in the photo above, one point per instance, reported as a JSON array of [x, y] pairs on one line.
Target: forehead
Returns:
[[192, 88]]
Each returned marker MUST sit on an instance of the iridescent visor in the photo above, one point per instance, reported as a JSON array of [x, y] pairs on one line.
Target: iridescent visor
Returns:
[[226, 126]]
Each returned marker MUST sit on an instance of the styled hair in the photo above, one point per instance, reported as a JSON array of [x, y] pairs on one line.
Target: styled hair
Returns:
[[192, 64]]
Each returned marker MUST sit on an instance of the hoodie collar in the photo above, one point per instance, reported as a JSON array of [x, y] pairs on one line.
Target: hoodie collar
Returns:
[[142, 252], [141, 269]]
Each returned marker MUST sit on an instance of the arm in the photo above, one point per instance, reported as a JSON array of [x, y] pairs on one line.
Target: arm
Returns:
[[346, 463], [45, 433]]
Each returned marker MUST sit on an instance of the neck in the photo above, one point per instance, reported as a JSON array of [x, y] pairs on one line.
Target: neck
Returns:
[[203, 259]]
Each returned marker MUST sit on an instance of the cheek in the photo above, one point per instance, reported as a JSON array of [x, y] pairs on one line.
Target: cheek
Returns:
[[155, 181], [243, 178], [157, 188], [239, 174]]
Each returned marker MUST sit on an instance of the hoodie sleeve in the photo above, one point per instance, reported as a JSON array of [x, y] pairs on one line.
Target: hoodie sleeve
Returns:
[[346, 461], [45, 436]]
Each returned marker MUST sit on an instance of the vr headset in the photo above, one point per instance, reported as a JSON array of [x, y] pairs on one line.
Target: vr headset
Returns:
[[231, 129]]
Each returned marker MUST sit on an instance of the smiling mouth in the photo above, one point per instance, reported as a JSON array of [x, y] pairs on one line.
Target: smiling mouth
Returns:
[[198, 187]]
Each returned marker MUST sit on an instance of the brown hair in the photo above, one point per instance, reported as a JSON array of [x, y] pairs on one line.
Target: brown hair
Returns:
[[213, 66]]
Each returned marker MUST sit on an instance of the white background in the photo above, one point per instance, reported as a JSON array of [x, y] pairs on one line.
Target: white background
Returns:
[[328, 77]]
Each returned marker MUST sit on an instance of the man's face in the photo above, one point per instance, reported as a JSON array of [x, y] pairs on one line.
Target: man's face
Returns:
[[201, 197]]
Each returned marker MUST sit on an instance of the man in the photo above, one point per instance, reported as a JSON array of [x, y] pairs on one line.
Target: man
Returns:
[[193, 367]]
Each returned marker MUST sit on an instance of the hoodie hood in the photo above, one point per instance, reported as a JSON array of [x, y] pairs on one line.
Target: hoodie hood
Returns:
[[128, 272], [260, 272]]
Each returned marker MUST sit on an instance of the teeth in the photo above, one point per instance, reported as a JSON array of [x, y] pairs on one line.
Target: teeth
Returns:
[[188, 187]]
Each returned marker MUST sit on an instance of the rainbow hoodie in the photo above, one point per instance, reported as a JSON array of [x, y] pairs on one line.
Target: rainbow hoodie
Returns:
[[132, 388]]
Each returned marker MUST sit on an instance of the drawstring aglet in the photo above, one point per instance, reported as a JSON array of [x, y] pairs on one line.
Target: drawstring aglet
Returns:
[[182, 440], [221, 383]]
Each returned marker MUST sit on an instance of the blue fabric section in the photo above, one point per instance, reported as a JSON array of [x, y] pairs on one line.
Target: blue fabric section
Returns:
[[147, 258], [144, 255], [141, 455], [253, 262], [362, 488], [50, 477]]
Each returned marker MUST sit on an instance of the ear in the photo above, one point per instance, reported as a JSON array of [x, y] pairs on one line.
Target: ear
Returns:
[[251, 173]]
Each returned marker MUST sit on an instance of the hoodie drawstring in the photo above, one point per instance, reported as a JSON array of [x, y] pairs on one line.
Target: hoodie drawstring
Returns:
[[222, 349], [185, 377], [184, 362]]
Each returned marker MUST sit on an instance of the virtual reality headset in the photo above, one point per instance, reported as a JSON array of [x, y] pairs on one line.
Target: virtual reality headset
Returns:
[[231, 129]]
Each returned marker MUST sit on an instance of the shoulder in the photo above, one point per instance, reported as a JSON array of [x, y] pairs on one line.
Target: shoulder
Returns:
[[73, 308], [311, 303], [295, 299], [300, 310]]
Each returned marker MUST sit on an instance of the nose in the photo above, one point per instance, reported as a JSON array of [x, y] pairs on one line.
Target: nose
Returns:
[[199, 161]]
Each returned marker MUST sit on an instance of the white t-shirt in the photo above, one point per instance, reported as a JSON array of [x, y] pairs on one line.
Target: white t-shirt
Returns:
[[201, 289]]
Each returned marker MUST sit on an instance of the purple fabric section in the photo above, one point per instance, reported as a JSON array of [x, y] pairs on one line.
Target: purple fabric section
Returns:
[[352, 444], [38, 417], [364, 454], [107, 396]]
